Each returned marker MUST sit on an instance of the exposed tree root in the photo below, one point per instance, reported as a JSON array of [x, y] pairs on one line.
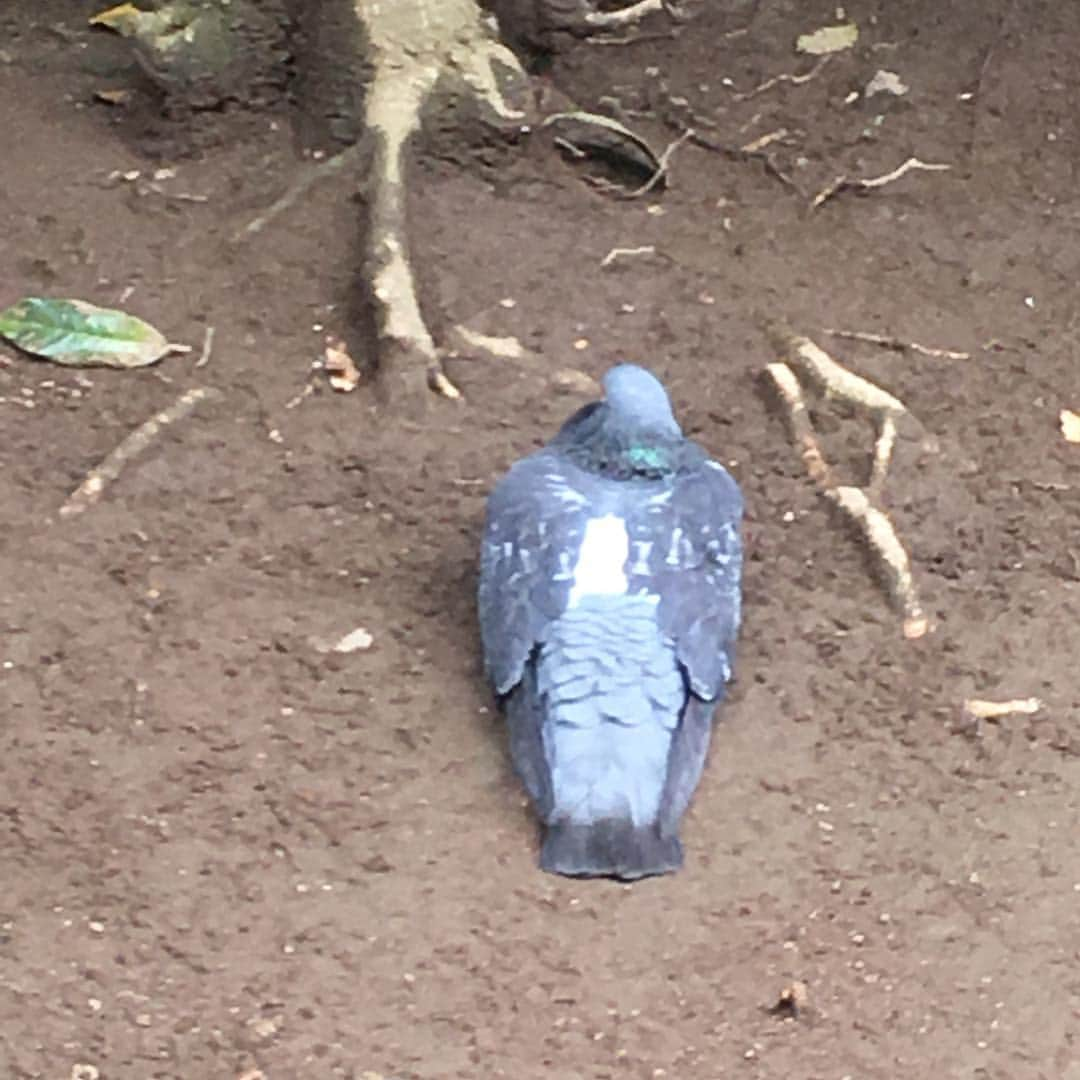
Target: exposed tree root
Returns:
[[418, 49], [859, 505], [97, 480]]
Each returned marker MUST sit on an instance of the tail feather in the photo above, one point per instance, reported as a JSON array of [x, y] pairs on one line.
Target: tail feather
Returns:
[[614, 848]]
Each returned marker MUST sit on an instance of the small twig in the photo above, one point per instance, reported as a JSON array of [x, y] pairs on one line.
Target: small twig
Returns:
[[207, 347], [91, 489], [795, 80], [300, 398], [740, 154], [980, 709], [896, 344], [625, 253], [900, 170], [307, 179], [842, 183], [759, 144]]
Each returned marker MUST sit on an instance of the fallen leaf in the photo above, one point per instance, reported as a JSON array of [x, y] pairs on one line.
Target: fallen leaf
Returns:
[[828, 39], [594, 133], [77, 334], [1070, 425], [339, 365]]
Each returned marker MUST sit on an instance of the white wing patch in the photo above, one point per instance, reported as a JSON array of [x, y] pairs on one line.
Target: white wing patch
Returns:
[[600, 568], [675, 551]]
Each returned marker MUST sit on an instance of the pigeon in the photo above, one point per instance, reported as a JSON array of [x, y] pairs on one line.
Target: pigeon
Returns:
[[609, 603]]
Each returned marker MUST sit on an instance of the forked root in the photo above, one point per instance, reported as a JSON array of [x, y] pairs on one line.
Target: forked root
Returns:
[[857, 504]]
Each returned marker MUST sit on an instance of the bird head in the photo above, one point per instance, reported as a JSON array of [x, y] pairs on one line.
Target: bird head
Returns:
[[632, 433]]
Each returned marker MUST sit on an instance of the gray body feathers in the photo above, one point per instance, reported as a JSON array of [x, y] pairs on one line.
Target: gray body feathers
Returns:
[[609, 605]]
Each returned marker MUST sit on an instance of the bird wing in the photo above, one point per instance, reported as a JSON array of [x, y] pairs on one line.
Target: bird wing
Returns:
[[535, 522], [693, 563]]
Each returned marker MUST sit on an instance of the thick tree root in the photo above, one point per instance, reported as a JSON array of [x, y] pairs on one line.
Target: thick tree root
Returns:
[[421, 51]]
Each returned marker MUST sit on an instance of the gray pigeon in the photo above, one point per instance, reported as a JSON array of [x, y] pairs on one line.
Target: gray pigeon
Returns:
[[609, 605]]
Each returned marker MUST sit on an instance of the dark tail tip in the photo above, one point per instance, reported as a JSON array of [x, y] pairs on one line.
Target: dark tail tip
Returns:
[[612, 849]]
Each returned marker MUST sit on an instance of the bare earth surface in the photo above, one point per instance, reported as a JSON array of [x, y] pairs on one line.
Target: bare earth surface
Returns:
[[227, 854]]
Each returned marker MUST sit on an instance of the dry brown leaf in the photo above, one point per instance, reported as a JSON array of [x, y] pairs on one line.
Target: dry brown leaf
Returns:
[[339, 365]]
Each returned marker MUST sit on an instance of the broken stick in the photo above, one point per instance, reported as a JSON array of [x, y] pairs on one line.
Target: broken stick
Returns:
[[97, 480]]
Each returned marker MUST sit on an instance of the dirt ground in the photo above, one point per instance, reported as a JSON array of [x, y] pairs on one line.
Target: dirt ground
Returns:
[[227, 854]]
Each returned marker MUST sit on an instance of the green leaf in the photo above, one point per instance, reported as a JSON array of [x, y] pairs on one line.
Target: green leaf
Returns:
[[78, 334]]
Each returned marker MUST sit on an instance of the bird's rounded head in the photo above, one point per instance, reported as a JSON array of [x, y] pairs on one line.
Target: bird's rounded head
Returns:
[[637, 396]]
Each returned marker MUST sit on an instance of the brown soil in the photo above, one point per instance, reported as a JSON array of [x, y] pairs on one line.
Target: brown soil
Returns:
[[224, 851]]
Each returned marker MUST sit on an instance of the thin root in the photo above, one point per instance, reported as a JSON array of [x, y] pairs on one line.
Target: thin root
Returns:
[[747, 153], [842, 183], [97, 480], [776, 80], [759, 144], [858, 504], [662, 167], [896, 344], [626, 253], [307, 179]]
